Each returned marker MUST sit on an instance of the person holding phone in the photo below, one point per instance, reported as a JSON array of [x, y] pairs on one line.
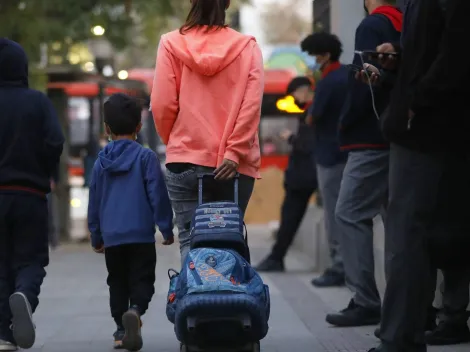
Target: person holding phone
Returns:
[[363, 192], [300, 180], [428, 129]]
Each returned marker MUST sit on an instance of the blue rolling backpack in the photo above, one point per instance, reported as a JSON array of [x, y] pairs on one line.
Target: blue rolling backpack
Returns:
[[218, 302]]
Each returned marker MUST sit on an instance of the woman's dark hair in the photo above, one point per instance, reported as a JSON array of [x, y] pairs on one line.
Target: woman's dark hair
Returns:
[[210, 13], [323, 43]]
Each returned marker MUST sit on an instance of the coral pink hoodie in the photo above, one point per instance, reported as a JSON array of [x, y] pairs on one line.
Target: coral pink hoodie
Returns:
[[206, 98]]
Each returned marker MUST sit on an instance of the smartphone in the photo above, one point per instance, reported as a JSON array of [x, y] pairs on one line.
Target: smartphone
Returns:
[[355, 68], [375, 54]]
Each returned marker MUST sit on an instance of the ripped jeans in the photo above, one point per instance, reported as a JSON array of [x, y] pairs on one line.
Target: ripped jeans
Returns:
[[183, 192]]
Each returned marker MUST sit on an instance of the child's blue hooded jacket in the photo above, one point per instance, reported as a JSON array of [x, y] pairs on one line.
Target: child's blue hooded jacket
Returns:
[[128, 196]]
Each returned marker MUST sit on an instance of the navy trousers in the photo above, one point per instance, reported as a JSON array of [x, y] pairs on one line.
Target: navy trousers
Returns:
[[24, 250]]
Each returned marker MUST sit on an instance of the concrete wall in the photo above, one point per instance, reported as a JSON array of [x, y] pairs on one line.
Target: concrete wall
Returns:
[[312, 241], [345, 17]]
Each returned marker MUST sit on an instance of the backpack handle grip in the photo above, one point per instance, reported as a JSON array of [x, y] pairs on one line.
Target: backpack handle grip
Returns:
[[201, 177]]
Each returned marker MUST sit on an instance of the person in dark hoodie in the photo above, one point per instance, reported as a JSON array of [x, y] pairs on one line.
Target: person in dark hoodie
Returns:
[[128, 196], [363, 193], [428, 129], [300, 179], [31, 143]]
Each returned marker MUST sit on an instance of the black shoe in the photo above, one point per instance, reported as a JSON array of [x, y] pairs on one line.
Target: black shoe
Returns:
[[132, 339], [24, 331], [430, 323], [448, 333], [354, 315], [329, 279], [270, 265], [118, 336]]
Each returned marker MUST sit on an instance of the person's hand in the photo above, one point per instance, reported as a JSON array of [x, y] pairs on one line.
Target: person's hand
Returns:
[[373, 74], [411, 116], [286, 134], [52, 186], [226, 171], [388, 62], [169, 241], [99, 250]]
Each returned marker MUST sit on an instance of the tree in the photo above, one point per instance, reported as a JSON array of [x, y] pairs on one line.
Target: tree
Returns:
[[283, 23], [32, 22]]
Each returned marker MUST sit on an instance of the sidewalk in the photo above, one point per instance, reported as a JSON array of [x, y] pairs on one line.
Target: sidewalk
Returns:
[[74, 313]]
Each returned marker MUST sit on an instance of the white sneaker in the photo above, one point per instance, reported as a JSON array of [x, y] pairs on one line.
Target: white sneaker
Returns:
[[24, 331], [7, 346]]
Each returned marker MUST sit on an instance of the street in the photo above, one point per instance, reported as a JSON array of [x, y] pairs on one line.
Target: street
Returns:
[[74, 312]]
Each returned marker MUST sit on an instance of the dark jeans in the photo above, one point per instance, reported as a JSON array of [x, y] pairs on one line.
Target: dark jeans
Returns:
[[292, 212], [24, 250], [183, 192], [131, 277], [415, 208]]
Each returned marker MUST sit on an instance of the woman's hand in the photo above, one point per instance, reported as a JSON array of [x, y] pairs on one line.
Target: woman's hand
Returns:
[[226, 171]]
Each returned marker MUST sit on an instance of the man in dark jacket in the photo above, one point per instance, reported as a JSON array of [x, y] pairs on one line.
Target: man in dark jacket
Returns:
[[427, 124], [30, 147], [300, 179], [325, 112], [363, 193]]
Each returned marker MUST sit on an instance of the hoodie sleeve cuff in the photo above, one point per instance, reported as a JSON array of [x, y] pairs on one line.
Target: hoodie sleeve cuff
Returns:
[[168, 235], [229, 155], [96, 241]]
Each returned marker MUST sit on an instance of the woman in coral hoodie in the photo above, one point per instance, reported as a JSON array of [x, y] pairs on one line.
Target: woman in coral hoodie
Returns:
[[206, 104]]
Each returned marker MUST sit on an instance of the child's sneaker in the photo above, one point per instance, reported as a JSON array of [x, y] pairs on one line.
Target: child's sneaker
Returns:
[[7, 346], [24, 331], [132, 340], [118, 336]]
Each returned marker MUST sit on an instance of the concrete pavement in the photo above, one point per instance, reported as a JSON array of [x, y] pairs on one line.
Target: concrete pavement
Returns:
[[74, 313]]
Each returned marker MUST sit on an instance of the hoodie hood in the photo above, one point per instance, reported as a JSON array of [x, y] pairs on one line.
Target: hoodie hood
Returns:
[[207, 53], [13, 64], [119, 156]]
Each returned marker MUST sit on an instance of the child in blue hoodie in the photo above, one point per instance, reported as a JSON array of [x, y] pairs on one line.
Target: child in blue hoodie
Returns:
[[128, 196]]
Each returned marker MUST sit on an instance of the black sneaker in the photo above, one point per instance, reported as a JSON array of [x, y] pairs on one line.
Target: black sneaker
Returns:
[[132, 339], [329, 279], [270, 265], [354, 315], [118, 336], [24, 331], [448, 333]]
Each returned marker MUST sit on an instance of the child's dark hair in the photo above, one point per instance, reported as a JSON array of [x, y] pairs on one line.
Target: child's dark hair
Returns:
[[323, 43], [210, 13], [298, 82], [122, 114]]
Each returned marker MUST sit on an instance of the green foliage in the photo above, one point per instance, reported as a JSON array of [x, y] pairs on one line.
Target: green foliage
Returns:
[[128, 23], [31, 22]]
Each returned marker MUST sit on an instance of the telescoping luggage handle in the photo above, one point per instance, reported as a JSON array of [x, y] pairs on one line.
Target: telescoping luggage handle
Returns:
[[200, 188]]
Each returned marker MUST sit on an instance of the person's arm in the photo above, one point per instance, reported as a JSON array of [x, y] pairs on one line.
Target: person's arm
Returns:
[[53, 137], [94, 212], [443, 79], [320, 103], [164, 99], [249, 115], [157, 194]]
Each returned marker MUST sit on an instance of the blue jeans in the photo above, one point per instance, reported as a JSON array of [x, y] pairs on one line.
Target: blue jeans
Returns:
[[183, 192]]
